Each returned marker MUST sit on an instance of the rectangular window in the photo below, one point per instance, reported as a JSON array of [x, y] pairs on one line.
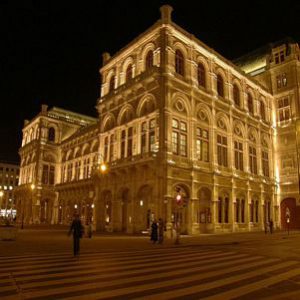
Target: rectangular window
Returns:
[[106, 148], [143, 137], [111, 147], [45, 175], [179, 138], [284, 109], [220, 209], [202, 145], [252, 160], [129, 142], [51, 174], [175, 142], [152, 140], [238, 155], [226, 210], [123, 142], [237, 210], [222, 150], [265, 163]]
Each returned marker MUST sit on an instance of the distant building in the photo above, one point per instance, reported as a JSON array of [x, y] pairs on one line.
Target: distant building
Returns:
[[9, 178], [186, 134]]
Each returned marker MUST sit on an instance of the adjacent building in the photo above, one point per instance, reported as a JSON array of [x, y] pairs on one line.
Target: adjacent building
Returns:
[[9, 179], [186, 135]]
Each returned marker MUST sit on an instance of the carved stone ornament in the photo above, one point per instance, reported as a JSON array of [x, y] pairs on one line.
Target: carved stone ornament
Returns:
[[179, 105], [221, 124], [202, 116], [237, 131]]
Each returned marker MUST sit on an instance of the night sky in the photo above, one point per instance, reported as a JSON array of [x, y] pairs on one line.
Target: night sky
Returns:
[[51, 50]]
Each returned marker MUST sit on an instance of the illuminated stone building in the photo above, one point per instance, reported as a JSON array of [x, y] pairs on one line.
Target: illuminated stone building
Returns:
[[9, 178], [186, 134]]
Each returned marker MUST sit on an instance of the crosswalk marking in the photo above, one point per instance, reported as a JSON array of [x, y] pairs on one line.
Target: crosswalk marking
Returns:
[[158, 273]]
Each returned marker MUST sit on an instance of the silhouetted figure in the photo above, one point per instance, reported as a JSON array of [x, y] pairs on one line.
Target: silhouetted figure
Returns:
[[77, 229], [161, 229], [271, 224], [154, 228], [266, 227]]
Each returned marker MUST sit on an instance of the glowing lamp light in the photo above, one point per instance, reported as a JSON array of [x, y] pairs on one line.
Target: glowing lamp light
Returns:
[[93, 205], [103, 167], [141, 202], [32, 186], [75, 206], [1, 193]]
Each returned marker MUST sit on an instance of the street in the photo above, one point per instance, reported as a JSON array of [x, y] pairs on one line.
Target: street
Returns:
[[40, 265]]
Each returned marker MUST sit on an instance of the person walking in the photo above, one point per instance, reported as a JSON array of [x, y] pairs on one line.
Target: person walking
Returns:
[[271, 224], [161, 229], [154, 228], [77, 229]]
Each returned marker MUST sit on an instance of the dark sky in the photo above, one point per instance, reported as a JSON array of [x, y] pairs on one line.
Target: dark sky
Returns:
[[51, 50]]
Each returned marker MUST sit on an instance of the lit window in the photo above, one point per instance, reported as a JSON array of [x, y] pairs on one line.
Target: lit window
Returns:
[[202, 145], [179, 138], [284, 109]]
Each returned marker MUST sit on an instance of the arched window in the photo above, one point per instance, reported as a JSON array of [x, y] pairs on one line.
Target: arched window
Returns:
[[220, 86], [149, 60], [250, 104], [262, 110], [179, 63], [51, 134], [129, 72], [112, 83], [236, 95], [201, 75]]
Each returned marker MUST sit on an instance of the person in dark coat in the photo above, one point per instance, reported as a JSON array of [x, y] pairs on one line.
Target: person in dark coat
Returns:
[[77, 229], [154, 228], [271, 224]]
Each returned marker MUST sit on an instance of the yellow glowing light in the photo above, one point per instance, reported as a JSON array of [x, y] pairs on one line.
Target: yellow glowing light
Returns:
[[103, 167], [1, 194], [32, 186]]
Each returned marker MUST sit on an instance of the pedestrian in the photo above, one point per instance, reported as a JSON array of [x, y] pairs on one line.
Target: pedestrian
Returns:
[[271, 226], [266, 227], [77, 229], [161, 229], [154, 228]]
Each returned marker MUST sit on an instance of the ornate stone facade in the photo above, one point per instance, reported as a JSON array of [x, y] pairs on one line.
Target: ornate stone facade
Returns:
[[186, 134]]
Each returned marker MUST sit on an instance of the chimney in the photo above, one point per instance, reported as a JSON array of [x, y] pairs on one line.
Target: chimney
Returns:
[[105, 58], [165, 12], [44, 108]]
